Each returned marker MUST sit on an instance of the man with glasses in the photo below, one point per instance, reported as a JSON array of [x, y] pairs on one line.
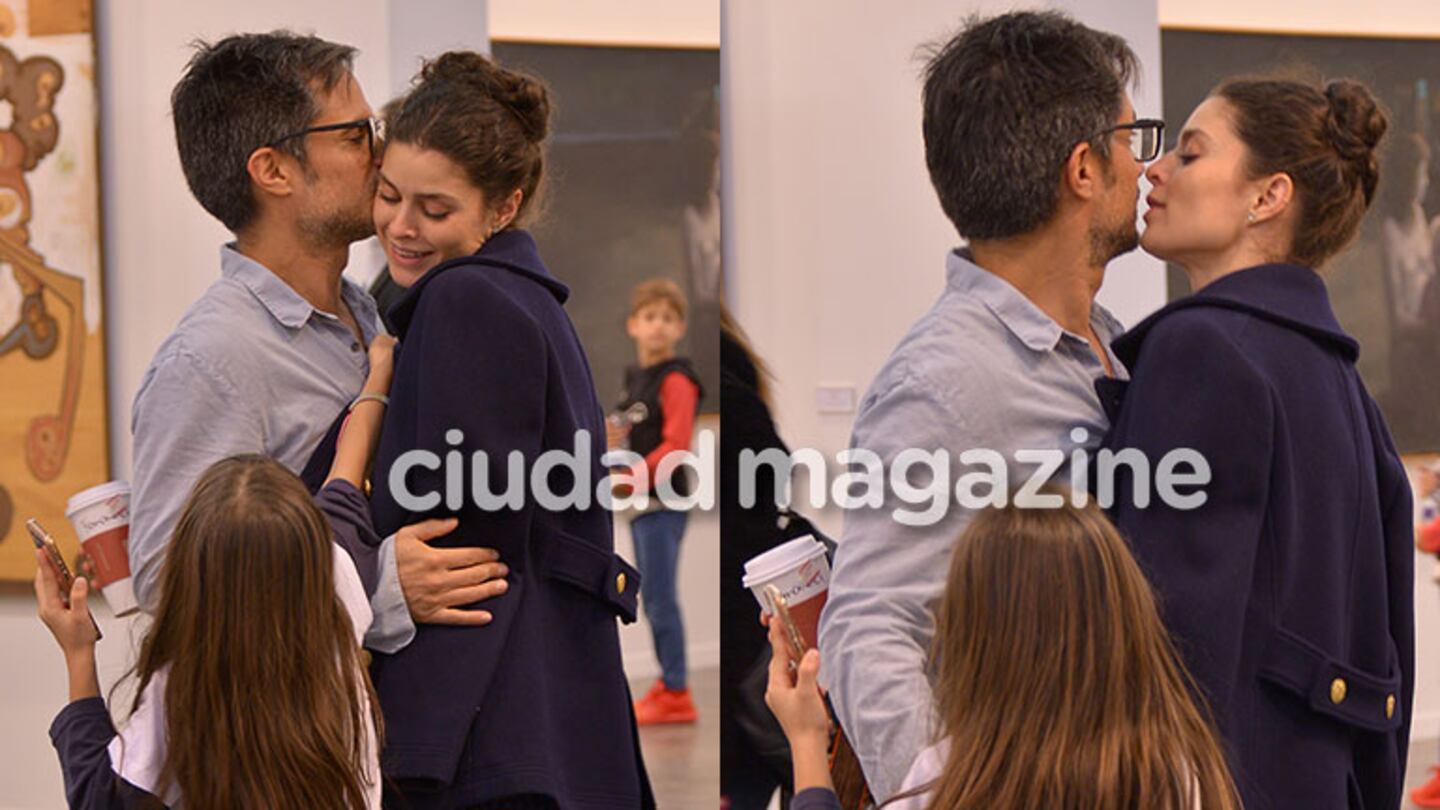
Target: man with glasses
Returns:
[[1035, 153], [277, 141]]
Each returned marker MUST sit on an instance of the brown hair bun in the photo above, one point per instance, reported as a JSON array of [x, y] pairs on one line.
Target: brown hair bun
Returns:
[[524, 96]]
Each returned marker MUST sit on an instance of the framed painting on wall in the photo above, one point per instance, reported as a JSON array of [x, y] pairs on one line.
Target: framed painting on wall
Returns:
[[1386, 287], [633, 192], [54, 433]]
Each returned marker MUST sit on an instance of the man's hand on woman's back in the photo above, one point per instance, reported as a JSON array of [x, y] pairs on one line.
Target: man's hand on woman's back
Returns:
[[437, 581]]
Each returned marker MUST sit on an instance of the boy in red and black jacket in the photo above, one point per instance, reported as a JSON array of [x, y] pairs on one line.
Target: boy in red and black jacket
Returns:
[[657, 417]]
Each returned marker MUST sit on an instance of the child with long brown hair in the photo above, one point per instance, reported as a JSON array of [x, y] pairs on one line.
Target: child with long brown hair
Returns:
[[1056, 683], [252, 687]]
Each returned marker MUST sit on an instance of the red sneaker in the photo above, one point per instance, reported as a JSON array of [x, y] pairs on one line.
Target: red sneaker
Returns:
[[661, 705], [1428, 794]]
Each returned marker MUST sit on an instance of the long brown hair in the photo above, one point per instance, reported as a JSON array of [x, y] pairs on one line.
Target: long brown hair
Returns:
[[1057, 683], [763, 376], [266, 698]]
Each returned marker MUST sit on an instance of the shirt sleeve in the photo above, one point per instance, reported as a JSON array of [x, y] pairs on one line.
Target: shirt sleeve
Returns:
[[679, 397], [348, 511], [179, 431], [816, 798], [877, 623], [81, 734], [391, 627]]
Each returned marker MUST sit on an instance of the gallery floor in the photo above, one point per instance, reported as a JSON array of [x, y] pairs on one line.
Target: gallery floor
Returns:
[[1422, 759], [684, 760]]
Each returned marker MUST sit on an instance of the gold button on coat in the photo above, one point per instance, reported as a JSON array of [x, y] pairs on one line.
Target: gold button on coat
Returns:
[[620, 582], [1337, 691], [1389, 707]]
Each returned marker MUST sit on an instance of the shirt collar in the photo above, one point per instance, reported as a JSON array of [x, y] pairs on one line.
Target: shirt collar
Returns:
[[1029, 323], [285, 305]]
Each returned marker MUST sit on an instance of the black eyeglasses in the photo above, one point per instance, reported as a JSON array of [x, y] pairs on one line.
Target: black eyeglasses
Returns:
[[1146, 137], [374, 131]]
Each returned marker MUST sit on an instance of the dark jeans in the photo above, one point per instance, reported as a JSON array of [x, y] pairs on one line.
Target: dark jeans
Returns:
[[657, 555]]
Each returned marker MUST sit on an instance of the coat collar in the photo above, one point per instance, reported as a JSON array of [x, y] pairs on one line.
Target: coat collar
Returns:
[[1285, 294], [511, 250]]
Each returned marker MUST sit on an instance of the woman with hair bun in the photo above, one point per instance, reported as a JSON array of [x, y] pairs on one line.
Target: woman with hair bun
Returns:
[[532, 709], [1287, 585]]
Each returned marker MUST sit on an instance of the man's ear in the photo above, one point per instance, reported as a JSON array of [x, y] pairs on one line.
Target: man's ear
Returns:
[[270, 172], [1276, 193], [1082, 171], [631, 328]]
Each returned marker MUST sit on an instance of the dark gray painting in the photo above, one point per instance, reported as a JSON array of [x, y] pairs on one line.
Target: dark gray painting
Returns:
[[1385, 287], [633, 191]]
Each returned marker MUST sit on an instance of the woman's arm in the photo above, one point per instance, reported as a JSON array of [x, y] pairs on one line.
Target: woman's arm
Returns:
[[71, 626], [797, 704], [355, 448], [83, 730]]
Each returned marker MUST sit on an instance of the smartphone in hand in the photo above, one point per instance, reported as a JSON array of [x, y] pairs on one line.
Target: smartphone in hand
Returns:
[[780, 610], [46, 543]]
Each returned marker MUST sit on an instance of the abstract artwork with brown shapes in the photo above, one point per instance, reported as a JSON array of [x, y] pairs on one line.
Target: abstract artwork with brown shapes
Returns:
[[54, 433]]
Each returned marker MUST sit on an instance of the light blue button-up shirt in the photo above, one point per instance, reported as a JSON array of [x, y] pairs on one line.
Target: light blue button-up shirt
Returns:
[[251, 368], [984, 368]]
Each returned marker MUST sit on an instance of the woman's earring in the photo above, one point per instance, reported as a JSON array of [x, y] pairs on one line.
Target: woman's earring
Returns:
[[1250, 217]]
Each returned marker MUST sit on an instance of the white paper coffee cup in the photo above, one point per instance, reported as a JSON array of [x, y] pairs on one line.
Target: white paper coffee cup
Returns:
[[800, 571], [101, 517]]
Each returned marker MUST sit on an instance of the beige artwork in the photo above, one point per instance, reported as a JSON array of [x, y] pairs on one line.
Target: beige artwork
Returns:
[[54, 436]]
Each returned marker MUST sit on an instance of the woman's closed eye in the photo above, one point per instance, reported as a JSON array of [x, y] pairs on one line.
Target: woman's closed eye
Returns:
[[437, 216]]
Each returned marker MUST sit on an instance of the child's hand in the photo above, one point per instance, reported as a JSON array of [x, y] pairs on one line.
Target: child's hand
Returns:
[[71, 625], [615, 435], [382, 364], [796, 702], [1426, 480]]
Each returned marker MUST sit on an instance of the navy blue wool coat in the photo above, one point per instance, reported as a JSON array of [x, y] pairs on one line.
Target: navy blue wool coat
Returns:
[[1289, 592], [536, 702]]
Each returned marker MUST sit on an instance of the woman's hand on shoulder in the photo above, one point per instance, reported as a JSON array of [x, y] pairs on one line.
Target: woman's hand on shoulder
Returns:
[[382, 364]]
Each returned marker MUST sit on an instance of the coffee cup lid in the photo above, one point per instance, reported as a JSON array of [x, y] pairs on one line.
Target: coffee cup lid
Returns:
[[780, 559], [96, 494]]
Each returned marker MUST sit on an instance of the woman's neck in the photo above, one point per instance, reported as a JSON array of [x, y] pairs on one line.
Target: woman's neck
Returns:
[[1202, 271]]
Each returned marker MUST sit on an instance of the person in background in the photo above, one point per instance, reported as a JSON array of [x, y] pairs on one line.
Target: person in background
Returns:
[[1057, 684], [1427, 540], [662, 391], [754, 760], [1287, 576], [252, 688]]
